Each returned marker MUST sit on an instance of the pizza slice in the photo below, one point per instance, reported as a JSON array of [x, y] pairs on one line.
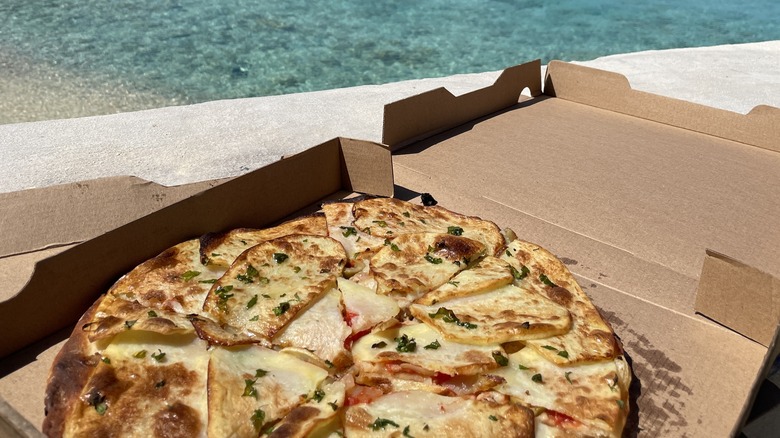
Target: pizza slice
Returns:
[[421, 413], [221, 249], [321, 329], [412, 264], [585, 399], [270, 283], [388, 217], [590, 338], [363, 308], [252, 387], [145, 383]]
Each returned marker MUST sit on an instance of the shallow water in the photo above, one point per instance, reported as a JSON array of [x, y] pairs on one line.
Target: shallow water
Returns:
[[199, 50]]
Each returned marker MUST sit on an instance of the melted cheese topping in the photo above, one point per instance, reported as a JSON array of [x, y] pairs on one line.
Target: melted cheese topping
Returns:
[[413, 264], [221, 249], [357, 243], [420, 413], [590, 338], [269, 284], [449, 357], [594, 394], [243, 380], [509, 313], [364, 308], [174, 280], [320, 329], [317, 413], [491, 273], [147, 384], [388, 217]]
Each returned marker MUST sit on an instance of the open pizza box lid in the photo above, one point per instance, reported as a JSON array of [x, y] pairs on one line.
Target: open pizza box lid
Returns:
[[629, 189]]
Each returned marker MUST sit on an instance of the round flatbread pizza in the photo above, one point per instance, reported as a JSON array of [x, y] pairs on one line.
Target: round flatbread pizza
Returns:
[[372, 317]]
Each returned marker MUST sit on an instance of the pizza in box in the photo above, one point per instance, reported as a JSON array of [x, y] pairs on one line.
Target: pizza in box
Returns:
[[373, 317]]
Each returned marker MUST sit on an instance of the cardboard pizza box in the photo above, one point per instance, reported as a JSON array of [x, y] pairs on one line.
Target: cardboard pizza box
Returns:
[[52, 278], [667, 212]]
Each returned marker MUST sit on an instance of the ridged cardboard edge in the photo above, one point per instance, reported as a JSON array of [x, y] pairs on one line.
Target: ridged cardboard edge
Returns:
[[438, 110], [612, 91], [71, 213], [63, 286]]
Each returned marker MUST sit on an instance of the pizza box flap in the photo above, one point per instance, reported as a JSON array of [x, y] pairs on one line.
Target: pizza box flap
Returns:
[[81, 210], [631, 205], [61, 287]]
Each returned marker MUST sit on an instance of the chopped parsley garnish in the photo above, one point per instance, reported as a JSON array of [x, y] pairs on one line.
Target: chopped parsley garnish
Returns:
[[455, 231], [449, 317], [348, 231], [252, 302], [260, 372], [405, 345], [151, 314], [257, 419], [544, 279], [189, 275], [223, 292], [492, 418], [394, 247], [508, 253], [215, 254], [255, 318], [328, 363], [130, 323], [380, 344], [159, 384], [566, 374], [500, 359], [432, 259], [433, 345], [282, 308], [101, 407], [296, 269], [620, 404], [521, 274], [522, 367], [426, 428], [549, 347], [564, 354], [280, 257], [212, 281], [454, 283], [402, 224], [407, 214], [249, 388], [381, 423], [333, 405], [106, 360], [318, 395], [140, 354], [159, 356], [406, 432], [251, 273], [263, 280], [613, 386], [537, 378], [382, 224]]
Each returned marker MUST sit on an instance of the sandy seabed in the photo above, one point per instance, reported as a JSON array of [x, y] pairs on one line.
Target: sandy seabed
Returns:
[[31, 91]]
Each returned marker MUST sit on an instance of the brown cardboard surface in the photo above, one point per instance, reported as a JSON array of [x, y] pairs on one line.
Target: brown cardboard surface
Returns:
[[723, 285], [76, 212], [629, 190]]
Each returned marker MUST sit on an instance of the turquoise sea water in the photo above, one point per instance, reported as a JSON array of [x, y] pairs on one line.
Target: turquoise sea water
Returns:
[[200, 50]]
